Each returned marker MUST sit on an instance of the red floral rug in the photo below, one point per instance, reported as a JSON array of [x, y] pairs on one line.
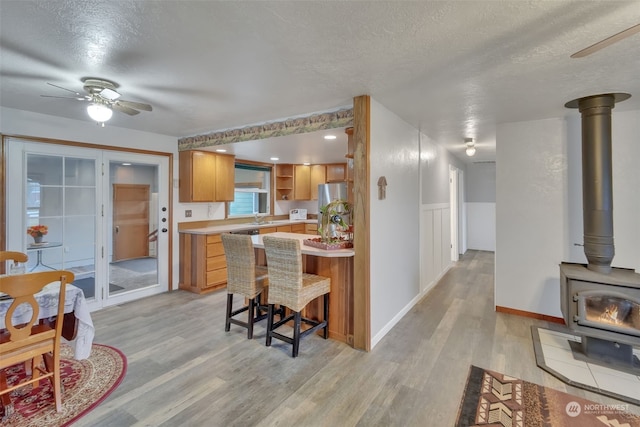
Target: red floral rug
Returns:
[[86, 383], [494, 399]]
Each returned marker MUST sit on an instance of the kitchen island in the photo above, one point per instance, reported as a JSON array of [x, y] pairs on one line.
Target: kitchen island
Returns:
[[335, 264], [203, 269]]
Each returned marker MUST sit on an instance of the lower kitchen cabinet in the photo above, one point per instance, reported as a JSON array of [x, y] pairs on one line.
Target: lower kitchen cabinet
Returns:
[[203, 266]]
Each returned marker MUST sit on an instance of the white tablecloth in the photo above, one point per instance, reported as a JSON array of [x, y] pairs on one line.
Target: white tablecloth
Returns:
[[48, 301]]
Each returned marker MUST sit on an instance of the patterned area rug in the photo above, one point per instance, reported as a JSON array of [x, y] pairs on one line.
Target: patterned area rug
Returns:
[[86, 383], [494, 399]]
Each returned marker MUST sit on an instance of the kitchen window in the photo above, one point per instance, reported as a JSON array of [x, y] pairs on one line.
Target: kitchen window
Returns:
[[252, 193]]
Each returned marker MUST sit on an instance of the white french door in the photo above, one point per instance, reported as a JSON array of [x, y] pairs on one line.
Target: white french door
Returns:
[[69, 190], [136, 227]]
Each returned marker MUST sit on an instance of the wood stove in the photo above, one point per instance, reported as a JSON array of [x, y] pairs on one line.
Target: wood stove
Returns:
[[600, 303]]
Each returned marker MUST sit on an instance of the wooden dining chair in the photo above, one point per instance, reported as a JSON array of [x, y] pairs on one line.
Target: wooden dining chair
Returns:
[[13, 256], [291, 288], [245, 278], [22, 341]]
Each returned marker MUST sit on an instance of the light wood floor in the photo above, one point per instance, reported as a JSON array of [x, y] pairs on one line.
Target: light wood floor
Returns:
[[184, 370]]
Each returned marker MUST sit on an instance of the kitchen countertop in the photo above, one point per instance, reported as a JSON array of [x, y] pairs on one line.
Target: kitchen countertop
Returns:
[[245, 226], [306, 250]]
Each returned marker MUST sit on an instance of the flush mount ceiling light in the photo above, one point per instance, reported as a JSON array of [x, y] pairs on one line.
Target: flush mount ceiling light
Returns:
[[100, 113], [471, 147], [330, 137]]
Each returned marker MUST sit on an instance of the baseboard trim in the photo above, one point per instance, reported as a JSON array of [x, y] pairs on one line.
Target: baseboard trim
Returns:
[[530, 314]]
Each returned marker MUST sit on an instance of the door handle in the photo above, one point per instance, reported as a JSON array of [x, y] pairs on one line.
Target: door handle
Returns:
[[117, 229], [164, 230]]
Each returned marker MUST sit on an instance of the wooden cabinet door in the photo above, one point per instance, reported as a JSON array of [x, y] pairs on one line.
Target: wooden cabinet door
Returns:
[[301, 182], [336, 172], [197, 176], [318, 176], [225, 178], [203, 168]]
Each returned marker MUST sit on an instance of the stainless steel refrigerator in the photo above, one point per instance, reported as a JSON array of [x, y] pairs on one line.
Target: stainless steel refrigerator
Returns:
[[327, 193]]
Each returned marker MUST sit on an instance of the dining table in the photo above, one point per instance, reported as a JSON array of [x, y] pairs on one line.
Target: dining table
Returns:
[[78, 327]]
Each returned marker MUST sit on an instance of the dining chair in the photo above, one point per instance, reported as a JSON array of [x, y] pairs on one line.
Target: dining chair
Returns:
[[16, 257], [291, 288], [245, 278], [22, 342]]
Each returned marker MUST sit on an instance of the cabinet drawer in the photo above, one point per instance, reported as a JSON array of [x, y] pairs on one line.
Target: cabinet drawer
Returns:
[[268, 230], [298, 228], [215, 249], [216, 277], [214, 238], [216, 262]]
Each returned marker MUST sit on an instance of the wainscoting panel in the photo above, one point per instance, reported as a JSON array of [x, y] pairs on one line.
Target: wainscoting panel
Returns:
[[435, 244]]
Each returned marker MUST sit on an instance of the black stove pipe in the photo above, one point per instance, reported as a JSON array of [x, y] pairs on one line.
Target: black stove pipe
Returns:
[[597, 187]]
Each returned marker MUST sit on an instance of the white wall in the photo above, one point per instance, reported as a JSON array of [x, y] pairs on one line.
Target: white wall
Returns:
[[480, 206], [539, 206], [394, 222], [18, 122], [481, 225]]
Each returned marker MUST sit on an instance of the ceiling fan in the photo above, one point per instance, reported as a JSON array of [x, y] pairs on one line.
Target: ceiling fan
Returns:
[[607, 42], [103, 98]]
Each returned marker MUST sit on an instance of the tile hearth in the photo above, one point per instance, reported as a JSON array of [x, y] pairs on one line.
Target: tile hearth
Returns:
[[554, 355]]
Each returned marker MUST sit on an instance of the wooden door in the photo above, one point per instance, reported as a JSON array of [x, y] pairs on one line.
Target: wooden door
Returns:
[[130, 221]]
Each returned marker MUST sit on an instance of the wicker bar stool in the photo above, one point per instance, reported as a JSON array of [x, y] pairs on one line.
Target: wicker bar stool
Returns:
[[244, 277], [291, 288]]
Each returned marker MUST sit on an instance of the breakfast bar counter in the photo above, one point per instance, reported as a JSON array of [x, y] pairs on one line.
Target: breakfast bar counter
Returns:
[[336, 264]]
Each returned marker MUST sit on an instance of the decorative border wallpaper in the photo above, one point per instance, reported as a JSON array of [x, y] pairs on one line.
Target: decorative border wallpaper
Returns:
[[297, 125]]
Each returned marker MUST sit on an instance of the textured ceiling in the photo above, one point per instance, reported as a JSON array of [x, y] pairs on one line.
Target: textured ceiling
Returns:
[[454, 69]]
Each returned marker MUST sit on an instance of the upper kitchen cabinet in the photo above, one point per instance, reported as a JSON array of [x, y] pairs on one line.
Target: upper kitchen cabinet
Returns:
[[284, 182], [306, 179], [300, 182], [206, 176], [336, 172]]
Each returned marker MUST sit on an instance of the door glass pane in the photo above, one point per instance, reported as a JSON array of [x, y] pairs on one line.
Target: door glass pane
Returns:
[[65, 211], [133, 250]]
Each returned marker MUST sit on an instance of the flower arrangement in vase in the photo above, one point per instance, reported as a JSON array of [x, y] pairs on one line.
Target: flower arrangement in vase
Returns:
[[37, 231]]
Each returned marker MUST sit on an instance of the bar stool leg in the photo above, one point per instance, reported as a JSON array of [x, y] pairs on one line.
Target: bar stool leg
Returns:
[[296, 334], [251, 311], [227, 322], [325, 335], [269, 324]]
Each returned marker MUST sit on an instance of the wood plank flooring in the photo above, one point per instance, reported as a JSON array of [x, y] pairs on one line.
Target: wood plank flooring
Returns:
[[184, 370]]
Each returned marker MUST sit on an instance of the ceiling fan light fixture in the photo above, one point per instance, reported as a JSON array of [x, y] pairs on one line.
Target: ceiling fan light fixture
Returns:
[[110, 94], [100, 113]]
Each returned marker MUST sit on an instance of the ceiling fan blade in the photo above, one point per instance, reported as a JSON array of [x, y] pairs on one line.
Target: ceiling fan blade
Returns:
[[64, 88], [123, 109], [136, 105], [77, 98], [607, 42]]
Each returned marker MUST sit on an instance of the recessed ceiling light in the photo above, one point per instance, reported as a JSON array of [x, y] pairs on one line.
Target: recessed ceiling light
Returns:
[[275, 158], [221, 150], [330, 137], [306, 163], [126, 164]]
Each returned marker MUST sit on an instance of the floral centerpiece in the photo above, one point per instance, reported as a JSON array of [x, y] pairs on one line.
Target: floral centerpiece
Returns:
[[335, 232], [37, 231]]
